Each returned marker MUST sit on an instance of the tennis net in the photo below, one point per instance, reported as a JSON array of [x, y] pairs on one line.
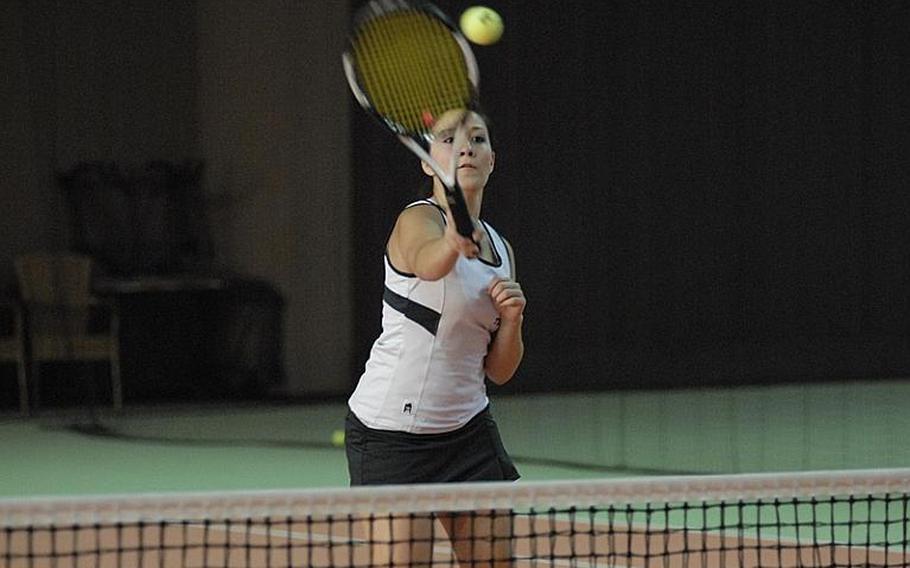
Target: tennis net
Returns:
[[851, 518]]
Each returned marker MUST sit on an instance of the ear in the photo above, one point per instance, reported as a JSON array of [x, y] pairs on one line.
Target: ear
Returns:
[[426, 169], [492, 161]]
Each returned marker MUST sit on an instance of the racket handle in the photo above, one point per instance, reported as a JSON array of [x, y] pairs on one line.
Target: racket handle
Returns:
[[459, 208]]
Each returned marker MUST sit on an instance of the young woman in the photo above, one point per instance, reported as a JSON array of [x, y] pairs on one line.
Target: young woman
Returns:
[[452, 315]]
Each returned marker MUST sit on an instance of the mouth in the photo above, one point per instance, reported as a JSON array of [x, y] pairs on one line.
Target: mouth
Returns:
[[466, 166]]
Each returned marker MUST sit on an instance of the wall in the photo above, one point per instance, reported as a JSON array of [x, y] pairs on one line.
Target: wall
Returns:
[[88, 80], [273, 128], [697, 193], [824, 426], [255, 90], [22, 180]]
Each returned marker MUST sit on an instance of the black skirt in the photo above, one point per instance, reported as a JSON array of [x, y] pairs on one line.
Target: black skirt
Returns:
[[473, 452]]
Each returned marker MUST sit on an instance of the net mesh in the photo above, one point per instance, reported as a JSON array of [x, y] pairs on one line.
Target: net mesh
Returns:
[[411, 67], [809, 519]]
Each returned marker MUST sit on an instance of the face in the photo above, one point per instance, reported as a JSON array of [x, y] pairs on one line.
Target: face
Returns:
[[475, 156]]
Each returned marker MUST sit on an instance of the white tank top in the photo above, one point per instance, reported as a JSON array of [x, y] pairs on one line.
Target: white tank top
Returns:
[[425, 373]]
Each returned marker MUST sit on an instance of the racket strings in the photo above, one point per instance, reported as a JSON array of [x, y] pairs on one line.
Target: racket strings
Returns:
[[399, 80], [379, 69], [411, 68]]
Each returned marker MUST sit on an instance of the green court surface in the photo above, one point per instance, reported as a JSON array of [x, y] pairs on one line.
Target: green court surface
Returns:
[[856, 425], [182, 449]]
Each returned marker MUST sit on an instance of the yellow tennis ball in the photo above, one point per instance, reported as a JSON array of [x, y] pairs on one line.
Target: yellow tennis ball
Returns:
[[481, 25], [338, 438]]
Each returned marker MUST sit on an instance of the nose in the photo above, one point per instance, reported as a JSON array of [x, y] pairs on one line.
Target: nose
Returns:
[[467, 149]]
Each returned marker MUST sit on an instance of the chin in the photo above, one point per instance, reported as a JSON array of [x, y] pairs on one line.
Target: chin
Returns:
[[471, 182]]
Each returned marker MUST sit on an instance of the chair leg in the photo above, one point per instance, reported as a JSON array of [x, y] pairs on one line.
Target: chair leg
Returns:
[[36, 383], [23, 387], [116, 387]]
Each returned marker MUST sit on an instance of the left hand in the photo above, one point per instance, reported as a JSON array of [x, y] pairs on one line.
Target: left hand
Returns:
[[508, 299]]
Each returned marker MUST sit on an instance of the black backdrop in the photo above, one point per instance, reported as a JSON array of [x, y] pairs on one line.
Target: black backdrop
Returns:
[[699, 193]]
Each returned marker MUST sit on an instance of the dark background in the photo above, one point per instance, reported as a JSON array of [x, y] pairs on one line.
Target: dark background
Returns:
[[699, 193]]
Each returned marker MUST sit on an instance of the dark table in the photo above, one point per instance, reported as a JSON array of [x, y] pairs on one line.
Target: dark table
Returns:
[[196, 337]]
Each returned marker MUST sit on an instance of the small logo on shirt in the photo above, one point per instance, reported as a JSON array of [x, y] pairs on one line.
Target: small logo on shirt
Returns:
[[407, 408]]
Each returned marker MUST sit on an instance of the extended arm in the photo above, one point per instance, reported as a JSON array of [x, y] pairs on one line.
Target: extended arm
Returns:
[[425, 246]]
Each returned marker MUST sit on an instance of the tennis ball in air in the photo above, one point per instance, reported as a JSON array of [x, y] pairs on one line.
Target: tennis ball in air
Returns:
[[338, 438], [481, 25]]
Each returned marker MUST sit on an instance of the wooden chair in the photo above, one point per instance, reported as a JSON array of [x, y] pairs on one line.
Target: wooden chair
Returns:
[[12, 347], [62, 316]]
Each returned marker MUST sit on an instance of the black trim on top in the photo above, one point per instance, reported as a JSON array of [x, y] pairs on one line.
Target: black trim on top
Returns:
[[392, 266], [388, 259], [423, 316], [496, 255], [431, 203]]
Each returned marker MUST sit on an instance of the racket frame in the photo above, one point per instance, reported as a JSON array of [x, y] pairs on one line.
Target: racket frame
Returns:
[[419, 143]]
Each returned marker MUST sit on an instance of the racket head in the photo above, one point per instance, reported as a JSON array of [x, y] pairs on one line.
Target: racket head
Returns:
[[407, 64]]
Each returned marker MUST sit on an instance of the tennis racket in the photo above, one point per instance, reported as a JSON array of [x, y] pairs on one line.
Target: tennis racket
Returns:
[[407, 65]]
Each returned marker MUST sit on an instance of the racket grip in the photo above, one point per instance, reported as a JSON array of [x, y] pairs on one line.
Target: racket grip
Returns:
[[459, 208]]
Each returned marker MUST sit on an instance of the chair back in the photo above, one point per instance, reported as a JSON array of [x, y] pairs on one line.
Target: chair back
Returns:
[[56, 289]]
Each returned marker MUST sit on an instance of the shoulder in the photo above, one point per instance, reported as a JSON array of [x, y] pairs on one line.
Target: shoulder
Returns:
[[418, 223], [423, 207], [420, 213], [418, 220]]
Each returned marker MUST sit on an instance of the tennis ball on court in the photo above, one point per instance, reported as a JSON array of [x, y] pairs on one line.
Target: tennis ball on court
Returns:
[[481, 25], [338, 438]]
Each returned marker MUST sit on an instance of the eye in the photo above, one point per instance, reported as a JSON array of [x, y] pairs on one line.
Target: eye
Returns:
[[479, 139]]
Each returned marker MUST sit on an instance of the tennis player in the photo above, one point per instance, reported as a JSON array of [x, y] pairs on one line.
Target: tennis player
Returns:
[[452, 315]]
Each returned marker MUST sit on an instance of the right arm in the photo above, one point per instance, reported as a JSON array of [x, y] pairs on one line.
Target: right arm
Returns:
[[422, 244]]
